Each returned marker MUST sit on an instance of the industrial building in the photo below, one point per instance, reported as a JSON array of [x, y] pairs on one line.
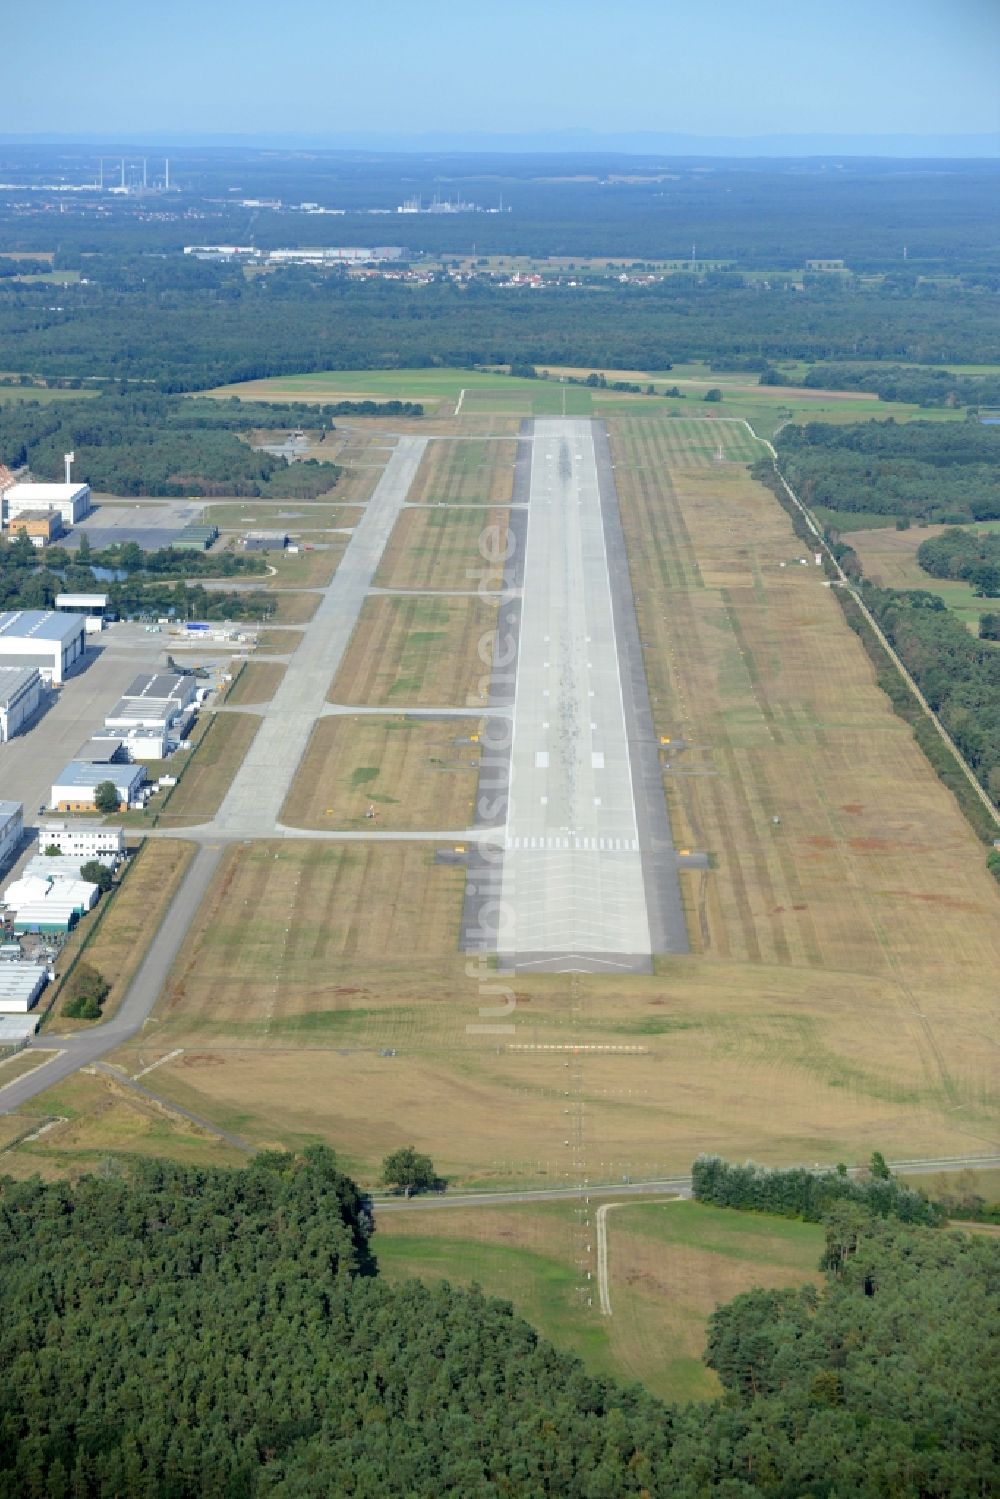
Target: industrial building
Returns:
[[39, 637], [63, 866], [82, 840], [103, 749], [195, 538], [93, 607], [20, 985], [49, 904], [264, 541], [40, 526], [154, 711], [20, 694], [74, 789], [11, 831], [71, 501]]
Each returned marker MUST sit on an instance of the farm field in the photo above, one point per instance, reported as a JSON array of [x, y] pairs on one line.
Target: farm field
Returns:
[[256, 683], [889, 558], [125, 926], [670, 1264], [418, 653], [473, 472], [206, 779], [446, 548], [418, 775]]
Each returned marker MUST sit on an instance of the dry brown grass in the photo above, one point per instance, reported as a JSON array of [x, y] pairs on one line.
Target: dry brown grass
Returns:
[[418, 652], [445, 548], [468, 472], [257, 683], [101, 1117], [293, 608], [418, 775], [312, 569], [128, 923], [208, 776], [280, 642]]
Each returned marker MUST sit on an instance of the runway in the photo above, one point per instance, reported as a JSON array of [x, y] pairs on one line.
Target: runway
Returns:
[[573, 885]]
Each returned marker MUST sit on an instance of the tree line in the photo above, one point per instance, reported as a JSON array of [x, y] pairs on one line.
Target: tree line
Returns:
[[971, 556], [181, 1331], [800, 1193], [225, 328]]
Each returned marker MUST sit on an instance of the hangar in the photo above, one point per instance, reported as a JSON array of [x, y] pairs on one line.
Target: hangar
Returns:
[[40, 637]]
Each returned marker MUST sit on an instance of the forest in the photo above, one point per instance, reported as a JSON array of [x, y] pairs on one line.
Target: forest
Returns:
[[187, 327], [920, 472], [971, 556], [918, 385], [174, 1332], [142, 443]]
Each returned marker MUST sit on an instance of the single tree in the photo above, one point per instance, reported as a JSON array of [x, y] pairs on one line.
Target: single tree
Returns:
[[879, 1167], [715, 394], [106, 797], [53, 851], [409, 1172], [97, 874]]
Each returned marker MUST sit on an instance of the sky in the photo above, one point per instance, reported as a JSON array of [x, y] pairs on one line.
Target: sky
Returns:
[[331, 69]]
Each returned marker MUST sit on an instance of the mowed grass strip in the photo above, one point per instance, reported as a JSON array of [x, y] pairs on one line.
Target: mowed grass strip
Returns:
[[447, 548], [416, 775], [470, 471], [419, 653], [256, 683], [209, 773], [127, 924]]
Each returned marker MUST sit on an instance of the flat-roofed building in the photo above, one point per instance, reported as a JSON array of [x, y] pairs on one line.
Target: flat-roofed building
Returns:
[[49, 904], [76, 785], [83, 840], [64, 866], [11, 831], [71, 501], [20, 985], [53, 642], [103, 749], [20, 694], [40, 526]]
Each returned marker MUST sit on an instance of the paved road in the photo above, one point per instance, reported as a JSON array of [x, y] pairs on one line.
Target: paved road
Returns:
[[572, 890], [679, 1186], [86, 1047], [252, 806]]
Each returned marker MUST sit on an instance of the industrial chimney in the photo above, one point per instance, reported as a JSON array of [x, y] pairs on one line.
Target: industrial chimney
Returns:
[[68, 460]]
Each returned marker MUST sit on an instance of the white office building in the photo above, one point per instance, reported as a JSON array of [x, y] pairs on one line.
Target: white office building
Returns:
[[40, 637], [72, 501], [20, 694], [82, 840], [11, 831]]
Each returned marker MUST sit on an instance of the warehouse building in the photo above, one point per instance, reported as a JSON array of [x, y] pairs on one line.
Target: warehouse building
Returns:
[[82, 840], [40, 526], [104, 749], [20, 695], [11, 831], [157, 706], [39, 637], [195, 538], [49, 904], [63, 866], [74, 789], [20, 985], [70, 501], [93, 607]]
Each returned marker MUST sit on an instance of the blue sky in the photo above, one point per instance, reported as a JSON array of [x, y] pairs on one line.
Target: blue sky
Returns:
[[728, 67]]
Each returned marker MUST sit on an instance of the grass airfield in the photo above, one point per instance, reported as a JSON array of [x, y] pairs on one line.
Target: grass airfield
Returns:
[[838, 998]]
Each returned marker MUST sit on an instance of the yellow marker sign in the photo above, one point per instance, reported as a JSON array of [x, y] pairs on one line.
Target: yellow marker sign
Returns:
[[684, 853], [474, 738], [664, 738], [460, 848]]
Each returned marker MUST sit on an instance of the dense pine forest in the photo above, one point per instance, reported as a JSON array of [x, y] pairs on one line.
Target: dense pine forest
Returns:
[[183, 1332]]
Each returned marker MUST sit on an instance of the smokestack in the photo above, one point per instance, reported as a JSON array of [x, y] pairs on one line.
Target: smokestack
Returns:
[[100, 177], [68, 460], [167, 181], [123, 173], [144, 173]]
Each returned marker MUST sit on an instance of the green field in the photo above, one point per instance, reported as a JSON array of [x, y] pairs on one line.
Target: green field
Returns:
[[766, 407], [39, 393], [670, 1264]]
